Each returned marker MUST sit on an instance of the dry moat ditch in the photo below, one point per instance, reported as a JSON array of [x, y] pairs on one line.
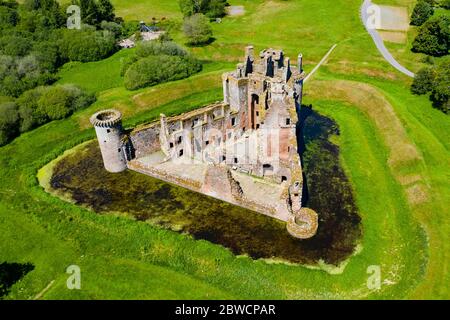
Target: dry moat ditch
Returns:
[[80, 175]]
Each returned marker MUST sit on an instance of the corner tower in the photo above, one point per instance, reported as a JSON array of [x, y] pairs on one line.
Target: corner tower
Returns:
[[108, 127]]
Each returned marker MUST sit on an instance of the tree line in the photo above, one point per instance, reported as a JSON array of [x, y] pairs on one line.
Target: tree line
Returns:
[[34, 44], [433, 39]]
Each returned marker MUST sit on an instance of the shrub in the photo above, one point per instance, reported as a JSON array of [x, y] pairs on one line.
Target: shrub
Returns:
[[126, 63], [87, 45], [422, 11], [55, 103], [115, 28], [15, 45], [43, 104], [154, 48], [158, 69], [9, 120], [197, 29], [423, 81], [59, 102], [31, 116]]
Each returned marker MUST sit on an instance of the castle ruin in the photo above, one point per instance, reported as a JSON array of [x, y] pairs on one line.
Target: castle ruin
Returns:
[[242, 150]]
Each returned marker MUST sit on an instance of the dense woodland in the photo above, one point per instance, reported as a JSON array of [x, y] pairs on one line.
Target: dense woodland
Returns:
[[35, 42]]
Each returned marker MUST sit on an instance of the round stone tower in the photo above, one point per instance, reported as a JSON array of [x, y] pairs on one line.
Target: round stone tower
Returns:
[[108, 126]]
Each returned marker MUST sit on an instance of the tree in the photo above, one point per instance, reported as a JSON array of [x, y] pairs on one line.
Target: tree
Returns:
[[445, 4], [8, 17], [433, 37], [94, 12], [441, 90], [191, 7], [421, 13], [423, 81], [9, 122], [46, 13], [436, 80], [210, 8], [89, 12], [216, 8], [105, 10], [197, 29]]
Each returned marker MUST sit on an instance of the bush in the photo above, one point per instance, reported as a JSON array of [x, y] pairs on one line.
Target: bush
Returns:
[[130, 27], [433, 37], [126, 64], [423, 81], [154, 48], [31, 116], [158, 69], [15, 45], [43, 104], [59, 102], [87, 45], [115, 28], [55, 103], [9, 120], [422, 11], [197, 29]]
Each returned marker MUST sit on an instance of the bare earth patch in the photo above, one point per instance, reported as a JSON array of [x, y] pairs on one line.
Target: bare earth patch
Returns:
[[235, 11], [393, 36], [394, 18]]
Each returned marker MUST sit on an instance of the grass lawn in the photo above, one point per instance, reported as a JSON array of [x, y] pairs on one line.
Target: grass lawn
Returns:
[[122, 258]]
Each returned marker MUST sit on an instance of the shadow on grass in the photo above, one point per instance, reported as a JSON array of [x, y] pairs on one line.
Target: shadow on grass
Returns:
[[10, 273], [200, 45]]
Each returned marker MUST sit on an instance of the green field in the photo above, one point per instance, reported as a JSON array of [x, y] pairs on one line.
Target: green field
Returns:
[[394, 148]]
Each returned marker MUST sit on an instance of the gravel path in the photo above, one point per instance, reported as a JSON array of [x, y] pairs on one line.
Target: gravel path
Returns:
[[379, 42]]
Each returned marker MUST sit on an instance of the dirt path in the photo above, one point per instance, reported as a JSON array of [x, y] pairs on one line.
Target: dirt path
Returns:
[[325, 57]]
